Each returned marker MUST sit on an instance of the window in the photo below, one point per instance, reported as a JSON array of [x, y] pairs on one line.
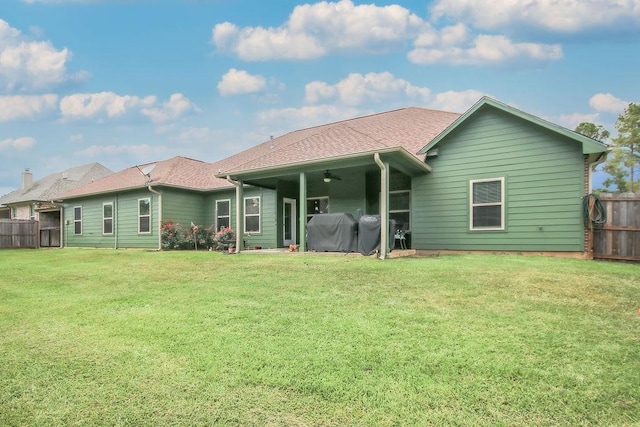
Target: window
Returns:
[[316, 206], [107, 218], [252, 214], [222, 214], [400, 208], [77, 220], [144, 216], [14, 213], [487, 204], [32, 212]]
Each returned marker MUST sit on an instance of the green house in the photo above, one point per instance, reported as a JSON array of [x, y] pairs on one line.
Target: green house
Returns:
[[492, 179]]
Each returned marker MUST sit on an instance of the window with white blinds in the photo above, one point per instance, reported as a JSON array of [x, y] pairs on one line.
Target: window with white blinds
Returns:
[[487, 204]]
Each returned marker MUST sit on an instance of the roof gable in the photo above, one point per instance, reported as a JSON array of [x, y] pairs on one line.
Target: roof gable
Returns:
[[589, 146]]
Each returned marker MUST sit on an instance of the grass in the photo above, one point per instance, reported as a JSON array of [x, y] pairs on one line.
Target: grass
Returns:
[[104, 337]]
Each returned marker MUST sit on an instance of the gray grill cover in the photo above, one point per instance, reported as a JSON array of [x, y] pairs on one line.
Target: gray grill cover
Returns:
[[369, 234], [332, 233]]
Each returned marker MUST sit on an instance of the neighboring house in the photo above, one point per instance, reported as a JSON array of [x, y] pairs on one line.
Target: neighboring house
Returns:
[[492, 179], [35, 199]]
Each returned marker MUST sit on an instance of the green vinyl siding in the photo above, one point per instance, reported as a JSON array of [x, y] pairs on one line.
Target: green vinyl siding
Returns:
[[184, 207], [544, 183], [346, 195], [92, 222], [127, 217], [125, 221], [267, 237]]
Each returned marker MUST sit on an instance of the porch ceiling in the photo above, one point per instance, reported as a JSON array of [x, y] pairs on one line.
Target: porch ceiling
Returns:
[[399, 160]]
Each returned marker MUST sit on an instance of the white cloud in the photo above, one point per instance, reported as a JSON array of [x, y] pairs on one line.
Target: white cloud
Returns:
[[570, 121], [358, 89], [238, 82], [25, 106], [298, 118], [175, 107], [60, 1], [111, 105], [605, 102], [457, 102], [141, 151], [194, 134], [19, 144], [486, 49], [561, 16], [315, 30], [78, 137], [30, 65]]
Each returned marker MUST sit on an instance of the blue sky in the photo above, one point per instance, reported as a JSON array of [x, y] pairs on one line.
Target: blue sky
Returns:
[[130, 82]]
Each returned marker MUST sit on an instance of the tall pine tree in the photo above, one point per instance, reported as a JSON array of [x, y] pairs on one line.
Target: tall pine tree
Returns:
[[623, 164]]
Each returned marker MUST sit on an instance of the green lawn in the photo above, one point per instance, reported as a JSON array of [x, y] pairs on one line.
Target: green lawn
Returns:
[[105, 337]]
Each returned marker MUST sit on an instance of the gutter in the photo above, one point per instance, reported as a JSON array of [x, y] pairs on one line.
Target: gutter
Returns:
[[384, 206], [277, 169], [159, 214]]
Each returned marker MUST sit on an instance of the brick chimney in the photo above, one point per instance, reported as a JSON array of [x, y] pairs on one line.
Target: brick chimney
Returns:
[[27, 179]]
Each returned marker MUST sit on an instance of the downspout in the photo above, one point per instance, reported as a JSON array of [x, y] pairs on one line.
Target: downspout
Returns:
[[384, 206], [600, 159], [159, 215], [239, 209], [115, 222]]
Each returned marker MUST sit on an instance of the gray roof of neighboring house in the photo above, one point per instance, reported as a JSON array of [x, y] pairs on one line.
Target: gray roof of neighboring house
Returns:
[[48, 188]]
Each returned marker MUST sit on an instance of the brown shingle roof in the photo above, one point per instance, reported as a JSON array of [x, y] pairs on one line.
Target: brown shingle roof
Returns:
[[409, 128], [178, 172]]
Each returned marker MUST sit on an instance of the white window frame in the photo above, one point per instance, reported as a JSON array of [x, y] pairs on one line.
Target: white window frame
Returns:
[[105, 218], [148, 199], [77, 221], [474, 205], [259, 215], [408, 210], [223, 216], [310, 214]]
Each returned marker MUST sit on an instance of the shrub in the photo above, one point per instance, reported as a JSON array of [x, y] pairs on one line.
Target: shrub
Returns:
[[224, 238], [176, 237]]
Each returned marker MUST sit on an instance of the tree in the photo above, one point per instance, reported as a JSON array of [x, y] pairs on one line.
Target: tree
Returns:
[[625, 156], [593, 131]]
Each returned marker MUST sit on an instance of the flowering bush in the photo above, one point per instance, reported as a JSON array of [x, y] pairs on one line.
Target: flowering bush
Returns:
[[176, 237], [224, 238]]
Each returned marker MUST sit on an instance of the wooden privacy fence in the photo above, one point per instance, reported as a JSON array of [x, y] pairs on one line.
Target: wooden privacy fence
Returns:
[[619, 237], [17, 233]]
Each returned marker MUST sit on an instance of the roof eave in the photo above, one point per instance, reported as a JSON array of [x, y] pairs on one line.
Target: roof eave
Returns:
[[322, 162]]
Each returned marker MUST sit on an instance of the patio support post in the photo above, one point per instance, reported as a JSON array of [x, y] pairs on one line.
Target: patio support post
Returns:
[[239, 216], [303, 212], [239, 212], [159, 215], [384, 205]]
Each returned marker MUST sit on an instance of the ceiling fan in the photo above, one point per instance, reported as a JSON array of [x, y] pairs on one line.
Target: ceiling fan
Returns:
[[328, 176]]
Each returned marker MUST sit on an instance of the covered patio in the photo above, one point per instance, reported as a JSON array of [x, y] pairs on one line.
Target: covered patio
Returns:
[[370, 183]]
